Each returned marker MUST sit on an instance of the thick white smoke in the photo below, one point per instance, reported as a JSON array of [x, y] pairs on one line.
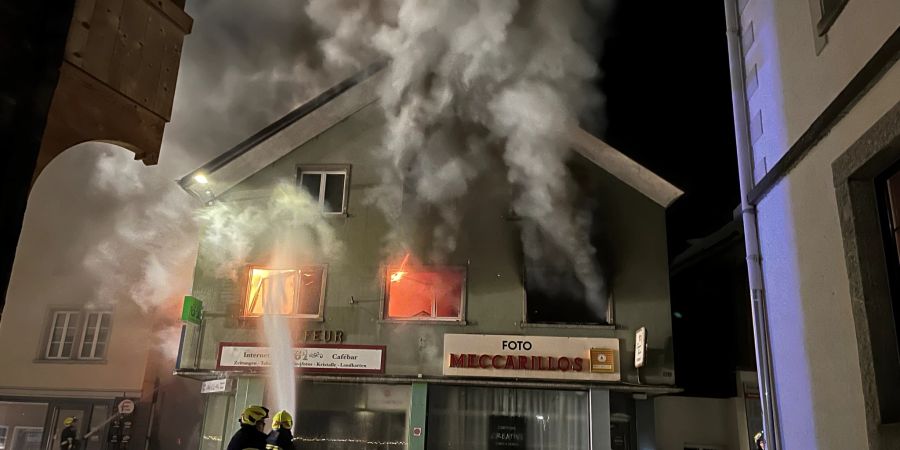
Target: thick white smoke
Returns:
[[514, 72]]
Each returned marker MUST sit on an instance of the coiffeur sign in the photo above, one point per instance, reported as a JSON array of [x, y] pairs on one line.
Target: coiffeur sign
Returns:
[[540, 357]]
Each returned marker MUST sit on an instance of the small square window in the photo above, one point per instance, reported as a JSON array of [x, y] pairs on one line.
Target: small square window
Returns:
[[61, 337], [424, 293], [290, 292], [328, 187]]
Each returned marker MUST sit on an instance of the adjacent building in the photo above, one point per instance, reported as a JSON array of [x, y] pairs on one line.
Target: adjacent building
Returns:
[[465, 353], [817, 103]]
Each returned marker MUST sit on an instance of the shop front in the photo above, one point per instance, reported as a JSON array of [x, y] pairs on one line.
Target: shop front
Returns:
[[493, 392]]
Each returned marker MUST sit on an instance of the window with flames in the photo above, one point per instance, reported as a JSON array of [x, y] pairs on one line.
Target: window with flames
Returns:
[[426, 293], [290, 292]]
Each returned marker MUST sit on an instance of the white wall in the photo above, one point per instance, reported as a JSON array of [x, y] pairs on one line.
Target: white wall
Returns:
[[692, 420], [817, 375], [47, 274]]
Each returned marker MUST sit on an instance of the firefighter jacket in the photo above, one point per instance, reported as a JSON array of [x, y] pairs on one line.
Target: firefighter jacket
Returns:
[[281, 439], [248, 437], [68, 439]]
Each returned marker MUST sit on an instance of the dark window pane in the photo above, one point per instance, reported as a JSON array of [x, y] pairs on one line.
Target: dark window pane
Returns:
[[310, 290], [311, 183], [556, 296], [334, 192]]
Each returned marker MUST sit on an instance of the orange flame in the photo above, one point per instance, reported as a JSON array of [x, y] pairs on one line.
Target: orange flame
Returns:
[[399, 274]]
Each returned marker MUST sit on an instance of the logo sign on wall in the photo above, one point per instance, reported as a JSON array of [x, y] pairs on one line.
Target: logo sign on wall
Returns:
[[536, 357], [507, 432], [310, 358], [640, 345]]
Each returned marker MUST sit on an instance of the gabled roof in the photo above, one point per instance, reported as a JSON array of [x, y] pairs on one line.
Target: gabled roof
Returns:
[[343, 100]]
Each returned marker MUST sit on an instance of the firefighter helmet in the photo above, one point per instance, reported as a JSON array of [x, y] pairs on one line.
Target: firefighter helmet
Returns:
[[253, 414], [282, 419]]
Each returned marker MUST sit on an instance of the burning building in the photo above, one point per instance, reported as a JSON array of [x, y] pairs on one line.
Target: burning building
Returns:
[[404, 331]]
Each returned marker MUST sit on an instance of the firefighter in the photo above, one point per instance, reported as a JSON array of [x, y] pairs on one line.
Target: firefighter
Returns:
[[281, 437], [68, 438], [251, 435], [760, 441]]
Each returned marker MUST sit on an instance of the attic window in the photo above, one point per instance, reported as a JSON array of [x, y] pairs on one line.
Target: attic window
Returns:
[[290, 292], [424, 293], [327, 185]]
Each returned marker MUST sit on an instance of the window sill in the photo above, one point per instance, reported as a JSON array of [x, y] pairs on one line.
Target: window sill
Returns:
[[297, 318], [457, 322], [69, 361], [566, 325]]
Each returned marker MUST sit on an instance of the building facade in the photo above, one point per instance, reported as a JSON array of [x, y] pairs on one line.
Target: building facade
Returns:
[[456, 354], [819, 85]]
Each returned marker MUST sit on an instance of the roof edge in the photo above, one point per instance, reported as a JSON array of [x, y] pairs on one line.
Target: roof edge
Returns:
[[270, 130]]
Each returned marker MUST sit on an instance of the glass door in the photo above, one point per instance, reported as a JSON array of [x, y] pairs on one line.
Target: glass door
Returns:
[[60, 412]]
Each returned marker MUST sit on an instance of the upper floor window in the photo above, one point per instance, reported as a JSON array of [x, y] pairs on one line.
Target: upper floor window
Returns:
[[292, 292], [328, 185], [424, 293], [77, 334], [556, 296], [95, 335], [831, 9], [61, 339]]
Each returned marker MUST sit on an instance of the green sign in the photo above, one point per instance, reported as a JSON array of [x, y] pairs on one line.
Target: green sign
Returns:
[[191, 310]]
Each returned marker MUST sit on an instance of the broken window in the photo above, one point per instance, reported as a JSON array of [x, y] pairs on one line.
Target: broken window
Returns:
[[426, 293], [328, 187], [290, 292]]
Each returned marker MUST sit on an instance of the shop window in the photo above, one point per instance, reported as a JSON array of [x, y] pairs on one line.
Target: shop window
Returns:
[[327, 185], [3, 432], [555, 296], [424, 293], [61, 338], [27, 438], [352, 416], [476, 418], [95, 336], [290, 292]]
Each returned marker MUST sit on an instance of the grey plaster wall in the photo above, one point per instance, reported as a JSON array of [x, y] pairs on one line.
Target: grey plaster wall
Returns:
[[488, 245]]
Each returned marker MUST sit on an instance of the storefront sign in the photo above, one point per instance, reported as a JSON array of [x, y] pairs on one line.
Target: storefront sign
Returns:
[[640, 344], [310, 358], [327, 336], [538, 357], [506, 432], [191, 310], [126, 406], [217, 386]]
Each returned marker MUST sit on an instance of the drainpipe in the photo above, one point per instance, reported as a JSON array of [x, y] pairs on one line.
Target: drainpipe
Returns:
[[764, 371]]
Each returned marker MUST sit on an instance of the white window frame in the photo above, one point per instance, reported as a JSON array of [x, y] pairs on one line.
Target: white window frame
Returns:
[[324, 171], [87, 318], [69, 323], [5, 438], [320, 313], [385, 295]]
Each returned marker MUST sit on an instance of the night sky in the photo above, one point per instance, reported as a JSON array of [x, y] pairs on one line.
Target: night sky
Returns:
[[668, 107]]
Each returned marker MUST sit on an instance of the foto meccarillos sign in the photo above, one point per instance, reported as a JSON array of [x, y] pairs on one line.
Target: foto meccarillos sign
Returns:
[[536, 357]]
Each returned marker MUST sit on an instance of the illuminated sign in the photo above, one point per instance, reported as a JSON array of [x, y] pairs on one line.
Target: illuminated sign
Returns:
[[309, 358], [537, 357]]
